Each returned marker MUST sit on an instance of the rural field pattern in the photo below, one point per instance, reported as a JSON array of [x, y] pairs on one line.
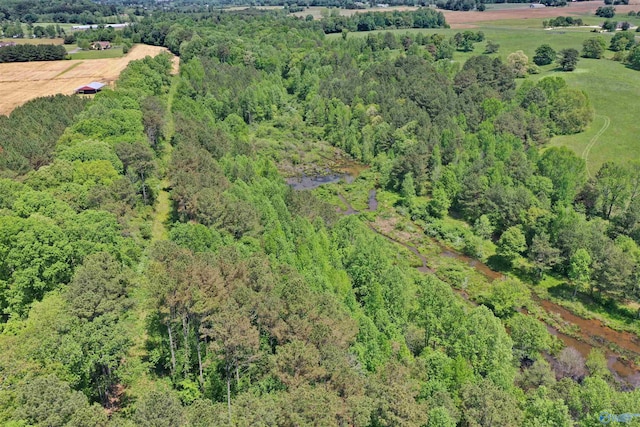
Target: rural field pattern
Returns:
[[23, 81]]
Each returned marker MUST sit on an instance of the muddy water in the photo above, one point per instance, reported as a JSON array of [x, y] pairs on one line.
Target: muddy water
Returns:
[[595, 334], [592, 332], [372, 202], [350, 210], [338, 169], [310, 182], [594, 329], [623, 371]]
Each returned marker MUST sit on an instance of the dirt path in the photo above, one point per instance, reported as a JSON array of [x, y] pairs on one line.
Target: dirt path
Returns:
[[163, 203], [593, 141], [161, 214]]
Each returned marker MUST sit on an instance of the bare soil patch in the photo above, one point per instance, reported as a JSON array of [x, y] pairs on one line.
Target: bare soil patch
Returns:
[[466, 19], [23, 81]]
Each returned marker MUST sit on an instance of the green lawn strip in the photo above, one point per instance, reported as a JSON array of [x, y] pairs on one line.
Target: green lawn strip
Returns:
[[163, 202], [68, 69], [115, 52]]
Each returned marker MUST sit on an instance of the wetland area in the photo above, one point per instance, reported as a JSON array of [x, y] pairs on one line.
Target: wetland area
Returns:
[[589, 333]]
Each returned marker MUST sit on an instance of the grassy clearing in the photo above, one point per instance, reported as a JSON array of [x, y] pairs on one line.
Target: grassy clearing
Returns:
[[614, 91], [115, 52], [163, 203]]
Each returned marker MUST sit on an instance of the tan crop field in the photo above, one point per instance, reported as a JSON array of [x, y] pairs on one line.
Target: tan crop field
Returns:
[[32, 41], [23, 81]]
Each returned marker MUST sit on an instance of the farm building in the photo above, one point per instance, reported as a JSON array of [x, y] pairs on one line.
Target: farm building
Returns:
[[93, 87], [93, 27], [100, 45]]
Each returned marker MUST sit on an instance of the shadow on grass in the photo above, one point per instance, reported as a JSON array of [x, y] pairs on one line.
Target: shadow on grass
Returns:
[[498, 263]]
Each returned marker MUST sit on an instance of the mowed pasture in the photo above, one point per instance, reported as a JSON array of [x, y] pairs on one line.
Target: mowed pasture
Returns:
[[613, 88], [23, 81]]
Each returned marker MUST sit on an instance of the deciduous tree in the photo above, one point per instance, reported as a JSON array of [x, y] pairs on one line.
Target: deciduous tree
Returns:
[[544, 55], [568, 59]]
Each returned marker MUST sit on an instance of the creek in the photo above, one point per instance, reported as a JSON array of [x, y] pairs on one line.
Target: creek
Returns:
[[592, 333]]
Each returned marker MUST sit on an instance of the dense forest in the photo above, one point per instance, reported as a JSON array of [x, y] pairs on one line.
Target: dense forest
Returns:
[[76, 11], [255, 304]]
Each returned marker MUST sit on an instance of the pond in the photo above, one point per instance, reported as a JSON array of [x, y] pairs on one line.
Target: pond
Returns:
[[306, 182]]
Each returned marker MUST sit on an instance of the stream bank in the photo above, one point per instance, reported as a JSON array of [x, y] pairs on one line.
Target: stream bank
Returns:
[[591, 332]]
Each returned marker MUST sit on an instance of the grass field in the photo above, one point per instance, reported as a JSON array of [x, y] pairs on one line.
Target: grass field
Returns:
[[115, 52], [22, 81], [614, 91]]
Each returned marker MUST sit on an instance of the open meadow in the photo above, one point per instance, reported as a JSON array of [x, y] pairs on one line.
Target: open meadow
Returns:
[[23, 81], [114, 52]]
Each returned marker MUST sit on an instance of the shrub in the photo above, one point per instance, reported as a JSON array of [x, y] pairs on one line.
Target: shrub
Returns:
[[593, 48], [606, 12], [545, 55], [492, 47]]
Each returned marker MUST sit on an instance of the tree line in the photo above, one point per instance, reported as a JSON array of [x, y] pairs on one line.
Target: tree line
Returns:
[[83, 11], [32, 52], [370, 21], [30, 132]]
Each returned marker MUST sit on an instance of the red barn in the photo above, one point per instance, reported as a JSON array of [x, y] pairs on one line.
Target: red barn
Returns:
[[93, 87]]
